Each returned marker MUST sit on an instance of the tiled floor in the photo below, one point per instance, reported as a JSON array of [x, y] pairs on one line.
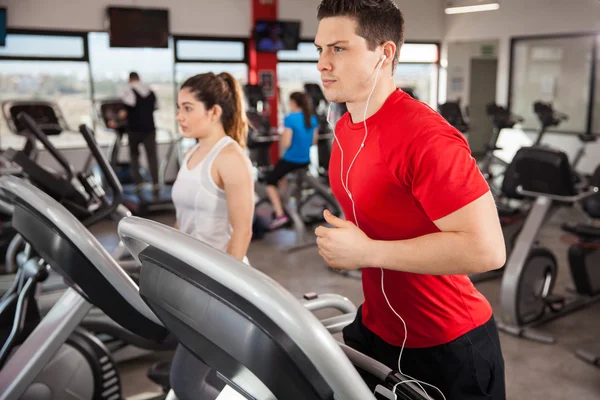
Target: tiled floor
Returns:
[[533, 370]]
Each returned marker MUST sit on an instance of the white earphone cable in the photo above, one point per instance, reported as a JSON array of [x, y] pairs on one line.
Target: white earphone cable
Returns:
[[345, 186]]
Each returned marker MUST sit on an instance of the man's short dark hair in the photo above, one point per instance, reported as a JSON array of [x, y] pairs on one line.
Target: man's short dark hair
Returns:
[[133, 76], [378, 20]]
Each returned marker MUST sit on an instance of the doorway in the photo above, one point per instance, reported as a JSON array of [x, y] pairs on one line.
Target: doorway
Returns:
[[482, 92]]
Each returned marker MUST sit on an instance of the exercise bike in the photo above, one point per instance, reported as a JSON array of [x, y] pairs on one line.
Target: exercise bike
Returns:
[[527, 297], [304, 192], [584, 255]]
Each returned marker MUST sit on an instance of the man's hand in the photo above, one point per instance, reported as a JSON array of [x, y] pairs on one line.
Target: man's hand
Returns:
[[344, 246]]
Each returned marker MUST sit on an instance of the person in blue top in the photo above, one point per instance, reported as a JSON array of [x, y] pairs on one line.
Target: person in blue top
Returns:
[[299, 135]]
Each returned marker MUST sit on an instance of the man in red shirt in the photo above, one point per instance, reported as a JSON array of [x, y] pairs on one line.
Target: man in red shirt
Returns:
[[420, 215]]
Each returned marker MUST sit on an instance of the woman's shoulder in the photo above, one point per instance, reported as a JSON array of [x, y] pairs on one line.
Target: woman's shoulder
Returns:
[[233, 153]]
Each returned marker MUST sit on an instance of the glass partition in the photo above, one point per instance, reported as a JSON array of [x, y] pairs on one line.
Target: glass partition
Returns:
[[556, 70]]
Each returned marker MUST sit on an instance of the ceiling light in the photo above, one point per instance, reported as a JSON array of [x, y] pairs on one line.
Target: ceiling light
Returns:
[[473, 8]]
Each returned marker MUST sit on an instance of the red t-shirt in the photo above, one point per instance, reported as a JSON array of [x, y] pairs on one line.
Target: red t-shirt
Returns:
[[414, 168]]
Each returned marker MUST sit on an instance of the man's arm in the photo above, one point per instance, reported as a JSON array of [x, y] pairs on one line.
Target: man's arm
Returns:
[[470, 241], [446, 182]]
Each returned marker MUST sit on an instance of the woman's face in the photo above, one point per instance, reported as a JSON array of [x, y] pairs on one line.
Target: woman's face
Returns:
[[194, 119]]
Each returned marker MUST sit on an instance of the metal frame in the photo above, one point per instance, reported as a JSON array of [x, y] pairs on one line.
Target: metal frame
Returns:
[[592, 85], [514, 269], [42, 344]]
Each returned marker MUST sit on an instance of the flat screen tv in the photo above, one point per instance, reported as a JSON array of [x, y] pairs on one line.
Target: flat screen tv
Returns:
[[2, 26], [138, 27], [273, 36]]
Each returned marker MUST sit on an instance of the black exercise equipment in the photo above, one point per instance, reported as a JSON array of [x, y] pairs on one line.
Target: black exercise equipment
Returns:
[[452, 113], [548, 118], [526, 297], [325, 137], [208, 300], [60, 358], [501, 119], [85, 199], [140, 200]]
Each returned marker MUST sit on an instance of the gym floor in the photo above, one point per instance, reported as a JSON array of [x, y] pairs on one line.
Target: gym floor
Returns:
[[533, 370]]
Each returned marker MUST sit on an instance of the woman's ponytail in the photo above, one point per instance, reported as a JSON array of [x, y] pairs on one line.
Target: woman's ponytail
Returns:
[[236, 123]]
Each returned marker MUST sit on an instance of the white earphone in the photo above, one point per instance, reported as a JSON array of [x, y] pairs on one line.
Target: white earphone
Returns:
[[347, 190]]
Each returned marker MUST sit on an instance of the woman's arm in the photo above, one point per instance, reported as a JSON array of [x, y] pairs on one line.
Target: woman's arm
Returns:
[[236, 176], [286, 139]]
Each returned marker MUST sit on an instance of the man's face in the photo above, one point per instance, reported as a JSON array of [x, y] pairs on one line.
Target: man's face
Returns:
[[346, 65]]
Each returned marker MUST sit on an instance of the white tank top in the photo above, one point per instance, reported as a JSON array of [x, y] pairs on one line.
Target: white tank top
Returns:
[[200, 204]]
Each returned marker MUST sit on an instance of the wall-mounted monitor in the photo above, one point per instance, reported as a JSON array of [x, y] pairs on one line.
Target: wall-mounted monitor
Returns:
[[2, 26], [138, 27], [273, 36]]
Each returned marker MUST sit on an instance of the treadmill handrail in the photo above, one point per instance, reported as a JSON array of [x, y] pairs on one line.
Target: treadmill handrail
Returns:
[[82, 238], [109, 175], [263, 292], [30, 123]]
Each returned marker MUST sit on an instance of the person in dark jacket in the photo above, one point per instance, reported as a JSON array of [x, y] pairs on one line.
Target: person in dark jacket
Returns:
[[140, 103]]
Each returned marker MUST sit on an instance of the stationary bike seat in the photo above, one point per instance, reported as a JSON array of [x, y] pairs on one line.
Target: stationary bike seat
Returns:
[[584, 231]]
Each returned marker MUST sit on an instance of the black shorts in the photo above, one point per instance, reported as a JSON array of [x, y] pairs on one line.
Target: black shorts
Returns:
[[281, 169], [468, 368]]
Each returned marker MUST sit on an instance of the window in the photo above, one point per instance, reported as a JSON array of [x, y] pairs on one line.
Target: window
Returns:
[[46, 67], [306, 52], [421, 79], [417, 70], [210, 50], [291, 77], [186, 70], [555, 70], [111, 67], [423, 53], [28, 45]]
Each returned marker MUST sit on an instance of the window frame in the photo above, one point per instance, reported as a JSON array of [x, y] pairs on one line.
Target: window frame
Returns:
[[44, 32], [244, 41], [438, 63], [437, 44]]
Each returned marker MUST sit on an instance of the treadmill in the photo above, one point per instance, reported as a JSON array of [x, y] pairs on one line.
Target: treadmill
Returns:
[[262, 343], [255, 336], [144, 201]]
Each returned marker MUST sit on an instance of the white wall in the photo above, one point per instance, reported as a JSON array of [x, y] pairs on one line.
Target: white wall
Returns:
[[459, 67], [520, 18], [189, 17], [424, 18]]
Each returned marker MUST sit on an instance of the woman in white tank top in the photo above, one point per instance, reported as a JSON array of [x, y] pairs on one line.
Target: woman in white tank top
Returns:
[[214, 190]]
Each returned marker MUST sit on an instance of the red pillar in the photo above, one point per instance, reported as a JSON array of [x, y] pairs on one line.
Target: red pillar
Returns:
[[265, 62]]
